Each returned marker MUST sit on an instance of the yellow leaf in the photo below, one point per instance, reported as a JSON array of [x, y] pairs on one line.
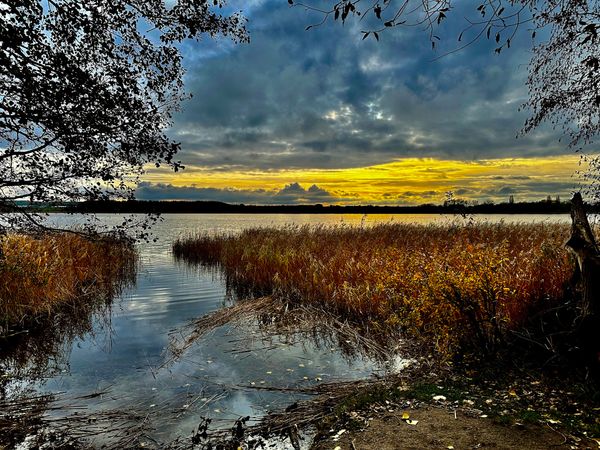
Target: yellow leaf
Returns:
[[405, 416]]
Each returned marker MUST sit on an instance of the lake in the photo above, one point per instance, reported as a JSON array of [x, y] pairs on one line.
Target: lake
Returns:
[[126, 355]]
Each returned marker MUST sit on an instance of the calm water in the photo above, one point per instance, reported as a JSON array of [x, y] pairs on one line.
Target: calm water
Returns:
[[125, 352]]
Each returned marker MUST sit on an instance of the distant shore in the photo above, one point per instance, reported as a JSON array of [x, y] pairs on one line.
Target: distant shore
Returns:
[[209, 207]]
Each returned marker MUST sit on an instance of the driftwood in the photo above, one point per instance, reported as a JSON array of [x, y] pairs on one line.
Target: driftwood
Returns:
[[583, 244]]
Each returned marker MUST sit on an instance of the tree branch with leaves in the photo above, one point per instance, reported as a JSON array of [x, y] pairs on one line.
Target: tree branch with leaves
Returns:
[[87, 90]]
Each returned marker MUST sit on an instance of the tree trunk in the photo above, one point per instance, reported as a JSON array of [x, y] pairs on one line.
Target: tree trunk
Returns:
[[583, 244]]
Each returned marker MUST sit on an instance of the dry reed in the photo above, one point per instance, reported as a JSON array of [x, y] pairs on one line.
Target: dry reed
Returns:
[[454, 285], [39, 273]]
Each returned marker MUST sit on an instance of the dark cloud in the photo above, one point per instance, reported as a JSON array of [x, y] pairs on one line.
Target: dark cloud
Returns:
[[507, 190], [326, 99], [295, 193], [290, 194], [510, 177], [416, 196], [463, 191], [535, 189]]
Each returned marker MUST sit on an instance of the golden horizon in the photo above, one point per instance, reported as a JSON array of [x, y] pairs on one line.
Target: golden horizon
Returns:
[[406, 181]]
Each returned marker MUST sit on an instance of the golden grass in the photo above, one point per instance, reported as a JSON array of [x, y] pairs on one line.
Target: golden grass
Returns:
[[39, 273], [454, 285]]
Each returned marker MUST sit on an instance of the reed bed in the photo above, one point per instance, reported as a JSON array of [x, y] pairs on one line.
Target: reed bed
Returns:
[[39, 273], [456, 286]]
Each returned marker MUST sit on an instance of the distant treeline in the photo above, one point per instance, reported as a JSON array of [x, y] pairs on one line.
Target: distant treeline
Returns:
[[171, 207]]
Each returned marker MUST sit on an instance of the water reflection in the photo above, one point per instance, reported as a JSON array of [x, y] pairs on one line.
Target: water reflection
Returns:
[[43, 351], [272, 323]]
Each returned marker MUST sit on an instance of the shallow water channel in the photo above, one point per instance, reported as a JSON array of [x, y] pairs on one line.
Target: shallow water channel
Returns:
[[218, 376]]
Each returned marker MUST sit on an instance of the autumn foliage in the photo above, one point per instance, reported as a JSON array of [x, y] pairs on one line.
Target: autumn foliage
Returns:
[[455, 286], [39, 273]]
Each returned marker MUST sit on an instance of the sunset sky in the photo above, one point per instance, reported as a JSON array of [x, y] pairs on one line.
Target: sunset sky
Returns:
[[322, 116]]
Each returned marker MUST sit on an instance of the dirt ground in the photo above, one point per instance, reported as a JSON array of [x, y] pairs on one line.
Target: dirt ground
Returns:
[[438, 428]]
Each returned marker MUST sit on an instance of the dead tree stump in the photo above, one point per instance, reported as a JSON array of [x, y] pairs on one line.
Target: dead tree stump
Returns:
[[583, 244]]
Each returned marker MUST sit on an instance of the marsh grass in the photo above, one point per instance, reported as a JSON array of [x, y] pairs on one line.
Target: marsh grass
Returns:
[[454, 286], [40, 274]]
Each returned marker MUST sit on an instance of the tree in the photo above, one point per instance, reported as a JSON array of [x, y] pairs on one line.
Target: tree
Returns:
[[87, 89]]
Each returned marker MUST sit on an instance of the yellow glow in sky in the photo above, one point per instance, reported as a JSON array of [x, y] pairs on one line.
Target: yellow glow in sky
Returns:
[[404, 181]]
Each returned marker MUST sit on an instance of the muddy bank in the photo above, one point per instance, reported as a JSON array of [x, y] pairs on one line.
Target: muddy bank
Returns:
[[441, 428]]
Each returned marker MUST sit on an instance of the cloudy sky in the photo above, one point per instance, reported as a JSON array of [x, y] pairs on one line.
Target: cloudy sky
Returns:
[[323, 116]]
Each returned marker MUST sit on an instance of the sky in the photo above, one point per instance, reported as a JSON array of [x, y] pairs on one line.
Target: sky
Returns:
[[323, 116]]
